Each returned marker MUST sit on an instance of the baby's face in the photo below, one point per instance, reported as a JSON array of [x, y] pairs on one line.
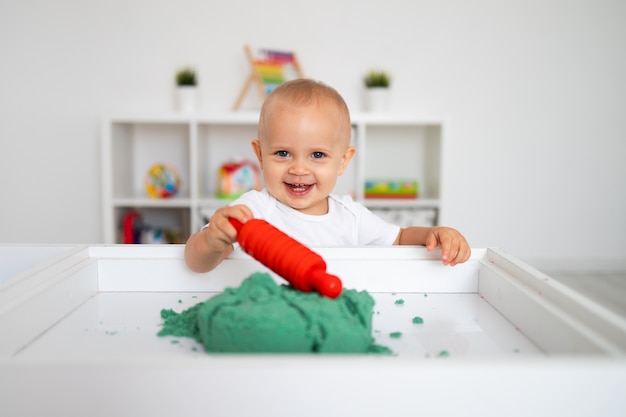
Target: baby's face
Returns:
[[302, 150]]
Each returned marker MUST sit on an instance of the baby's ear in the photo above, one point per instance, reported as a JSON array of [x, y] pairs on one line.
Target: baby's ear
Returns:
[[256, 147], [345, 160]]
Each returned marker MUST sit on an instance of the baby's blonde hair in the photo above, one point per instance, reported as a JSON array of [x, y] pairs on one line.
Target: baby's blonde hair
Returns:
[[303, 92]]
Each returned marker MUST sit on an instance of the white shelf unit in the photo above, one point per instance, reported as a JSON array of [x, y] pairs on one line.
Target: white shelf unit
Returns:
[[388, 146]]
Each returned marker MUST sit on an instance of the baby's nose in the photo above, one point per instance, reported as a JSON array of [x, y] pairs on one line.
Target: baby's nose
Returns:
[[298, 167]]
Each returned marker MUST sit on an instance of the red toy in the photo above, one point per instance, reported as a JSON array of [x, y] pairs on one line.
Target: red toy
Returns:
[[131, 227], [304, 269]]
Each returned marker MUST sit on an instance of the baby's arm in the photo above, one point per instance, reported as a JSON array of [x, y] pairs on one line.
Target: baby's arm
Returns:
[[454, 247], [208, 247]]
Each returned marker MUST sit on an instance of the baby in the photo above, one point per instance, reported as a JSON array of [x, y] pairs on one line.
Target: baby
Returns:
[[303, 146]]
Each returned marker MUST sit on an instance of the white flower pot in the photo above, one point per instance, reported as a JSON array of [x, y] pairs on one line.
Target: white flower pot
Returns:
[[377, 99], [187, 99]]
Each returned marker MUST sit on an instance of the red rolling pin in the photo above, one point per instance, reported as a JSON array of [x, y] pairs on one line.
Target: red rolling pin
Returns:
[[304, 269]]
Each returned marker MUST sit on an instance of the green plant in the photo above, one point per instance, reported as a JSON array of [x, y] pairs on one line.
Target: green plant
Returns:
[[186, 77], [376, 78]]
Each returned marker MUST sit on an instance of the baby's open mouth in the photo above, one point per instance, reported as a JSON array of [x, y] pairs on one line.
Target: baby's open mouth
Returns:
[[299, 188]]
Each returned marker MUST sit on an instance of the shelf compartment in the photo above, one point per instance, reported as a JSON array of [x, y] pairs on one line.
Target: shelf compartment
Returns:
[[408, 216], [404, 152], [219, 143], [137, 146], [158, 224]]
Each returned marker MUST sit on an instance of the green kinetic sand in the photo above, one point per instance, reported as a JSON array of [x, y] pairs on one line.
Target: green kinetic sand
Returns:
[[262, 316]]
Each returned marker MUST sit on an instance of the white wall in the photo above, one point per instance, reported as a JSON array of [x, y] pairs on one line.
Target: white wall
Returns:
[[533, 95]]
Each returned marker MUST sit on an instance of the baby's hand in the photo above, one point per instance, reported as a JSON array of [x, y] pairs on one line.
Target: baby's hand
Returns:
[[221, 233], [454, 247]]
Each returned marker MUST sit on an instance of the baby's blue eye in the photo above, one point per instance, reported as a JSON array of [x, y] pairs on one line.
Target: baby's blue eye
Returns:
[[318, 155], [282, 154]]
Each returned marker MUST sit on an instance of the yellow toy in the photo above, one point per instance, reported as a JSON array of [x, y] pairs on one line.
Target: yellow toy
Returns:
[[162, 181]]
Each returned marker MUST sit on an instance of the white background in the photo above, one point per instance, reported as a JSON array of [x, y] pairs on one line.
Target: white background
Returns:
[[532, 95]]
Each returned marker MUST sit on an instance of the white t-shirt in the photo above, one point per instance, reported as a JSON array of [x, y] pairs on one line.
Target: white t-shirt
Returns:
[[347, 222]]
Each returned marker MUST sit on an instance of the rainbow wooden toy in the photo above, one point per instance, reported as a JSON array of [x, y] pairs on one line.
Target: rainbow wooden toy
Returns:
[[268, 71]]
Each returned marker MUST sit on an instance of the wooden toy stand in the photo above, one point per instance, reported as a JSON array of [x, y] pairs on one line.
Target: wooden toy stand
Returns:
[[267, 71]]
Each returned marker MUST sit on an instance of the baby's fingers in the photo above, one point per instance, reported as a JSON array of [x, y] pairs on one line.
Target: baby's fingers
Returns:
[[448, 249], [432, 241], [460, 252]]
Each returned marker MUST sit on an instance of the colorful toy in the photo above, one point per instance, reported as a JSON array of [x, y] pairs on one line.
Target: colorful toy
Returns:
[[162, 181], [391, 189], [269, 69], [131, 227], [237, 177], [304, 269]]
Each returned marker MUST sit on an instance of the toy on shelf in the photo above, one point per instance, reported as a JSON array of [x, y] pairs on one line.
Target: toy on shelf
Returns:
[[237, 177], [155, 235], [391, 189], [131, 227], [268, 70], [135, 230], [162, 181], [304, 269]]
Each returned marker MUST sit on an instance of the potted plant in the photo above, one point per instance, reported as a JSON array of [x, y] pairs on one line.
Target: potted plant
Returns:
[[375, 78], [377, 84], [186, 90]]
